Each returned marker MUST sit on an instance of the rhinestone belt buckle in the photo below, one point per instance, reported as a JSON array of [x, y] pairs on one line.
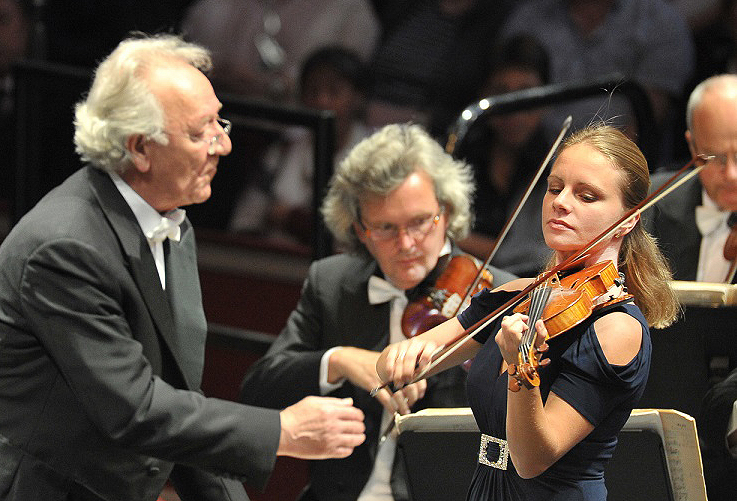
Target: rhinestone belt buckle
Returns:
[[501, 462]]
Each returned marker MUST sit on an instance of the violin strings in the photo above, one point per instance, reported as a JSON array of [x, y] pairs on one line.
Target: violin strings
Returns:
[[538, 300]]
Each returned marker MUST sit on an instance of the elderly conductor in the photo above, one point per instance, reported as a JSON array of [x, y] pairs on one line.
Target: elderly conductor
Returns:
[[102, 330]]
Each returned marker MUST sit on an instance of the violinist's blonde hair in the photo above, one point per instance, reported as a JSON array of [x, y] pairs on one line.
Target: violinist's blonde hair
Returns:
[[647, 275]]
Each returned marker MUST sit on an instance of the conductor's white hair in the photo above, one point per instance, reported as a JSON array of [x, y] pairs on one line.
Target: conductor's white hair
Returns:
[[120, 104]]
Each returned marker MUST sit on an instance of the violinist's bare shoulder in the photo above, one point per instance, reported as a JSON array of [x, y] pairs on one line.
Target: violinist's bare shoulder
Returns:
[[620, 337], [515, 285]]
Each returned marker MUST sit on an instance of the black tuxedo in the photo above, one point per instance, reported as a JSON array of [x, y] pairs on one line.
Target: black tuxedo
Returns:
[[97, 393], [672, 221], [334, 310]]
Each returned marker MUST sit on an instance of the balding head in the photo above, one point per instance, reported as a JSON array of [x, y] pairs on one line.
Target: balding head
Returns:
[[712, 130], [713, 88]]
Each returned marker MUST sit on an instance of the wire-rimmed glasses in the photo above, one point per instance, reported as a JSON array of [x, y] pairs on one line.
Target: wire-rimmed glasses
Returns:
[[719, 159], [417, 229], [223, 123]]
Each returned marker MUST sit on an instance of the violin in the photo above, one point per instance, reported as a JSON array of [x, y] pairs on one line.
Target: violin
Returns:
[[562, 304], [450, 293]]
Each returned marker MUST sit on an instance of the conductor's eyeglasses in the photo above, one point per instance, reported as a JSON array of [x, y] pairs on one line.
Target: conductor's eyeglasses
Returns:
[[223, 124]]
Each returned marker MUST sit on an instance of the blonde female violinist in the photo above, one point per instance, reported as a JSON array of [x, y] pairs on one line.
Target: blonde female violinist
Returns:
[[548, 432]]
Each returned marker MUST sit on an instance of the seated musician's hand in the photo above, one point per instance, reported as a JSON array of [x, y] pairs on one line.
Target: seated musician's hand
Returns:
[[359, 367], [356, 365], [401, 401]]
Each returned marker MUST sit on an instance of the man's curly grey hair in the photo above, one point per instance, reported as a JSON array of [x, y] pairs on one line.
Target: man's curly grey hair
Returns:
[[120, 104], [380, 163]]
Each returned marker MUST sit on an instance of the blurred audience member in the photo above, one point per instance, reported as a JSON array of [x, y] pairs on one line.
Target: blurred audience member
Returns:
[[432, 60], [259, 46], [280, 202], [15, 25], [506, 151], [697, 13], [716, 43], [647, 41]]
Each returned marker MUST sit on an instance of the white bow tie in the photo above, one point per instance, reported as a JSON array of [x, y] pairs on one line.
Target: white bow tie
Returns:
[[168, 227], [381, 291], [709, 219]]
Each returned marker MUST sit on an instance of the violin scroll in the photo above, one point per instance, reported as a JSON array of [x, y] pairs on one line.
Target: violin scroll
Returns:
[[526, 373]]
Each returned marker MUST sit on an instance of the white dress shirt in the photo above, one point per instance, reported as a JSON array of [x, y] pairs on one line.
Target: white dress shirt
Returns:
[[377, 487], [155, 226], [712, 267]]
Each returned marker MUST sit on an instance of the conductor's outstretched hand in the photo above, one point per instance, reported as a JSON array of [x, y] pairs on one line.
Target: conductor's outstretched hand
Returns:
[[321, 428]]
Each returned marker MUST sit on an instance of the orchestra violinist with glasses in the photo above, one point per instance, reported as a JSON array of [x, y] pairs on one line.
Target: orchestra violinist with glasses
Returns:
[[395, 206]]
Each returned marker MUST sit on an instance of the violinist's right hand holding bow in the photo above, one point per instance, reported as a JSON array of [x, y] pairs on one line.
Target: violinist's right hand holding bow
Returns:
[[401, 363], [359, 367]]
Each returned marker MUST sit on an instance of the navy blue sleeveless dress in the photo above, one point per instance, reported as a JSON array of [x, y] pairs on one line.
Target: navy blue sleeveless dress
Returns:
[[579, 373]]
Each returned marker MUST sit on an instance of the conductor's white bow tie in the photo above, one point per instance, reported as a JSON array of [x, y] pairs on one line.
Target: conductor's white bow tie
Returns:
[[168, 227], [381, 291], [709, 218]]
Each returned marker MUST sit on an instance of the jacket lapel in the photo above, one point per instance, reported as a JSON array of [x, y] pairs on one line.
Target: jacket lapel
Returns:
[[370, 318], [185, 299], [139, 259], [687, 242]]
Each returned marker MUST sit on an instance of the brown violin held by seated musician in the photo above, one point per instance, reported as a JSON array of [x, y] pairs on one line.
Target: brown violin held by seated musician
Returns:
[[461, 278]]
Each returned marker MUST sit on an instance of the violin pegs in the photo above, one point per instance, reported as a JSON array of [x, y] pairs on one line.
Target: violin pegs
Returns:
[[514, 383], [542, 348]]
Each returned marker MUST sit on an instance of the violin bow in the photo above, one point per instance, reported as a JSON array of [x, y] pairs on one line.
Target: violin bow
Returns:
[[531, 185], [671, 184], [520, 204], [564, 129]]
